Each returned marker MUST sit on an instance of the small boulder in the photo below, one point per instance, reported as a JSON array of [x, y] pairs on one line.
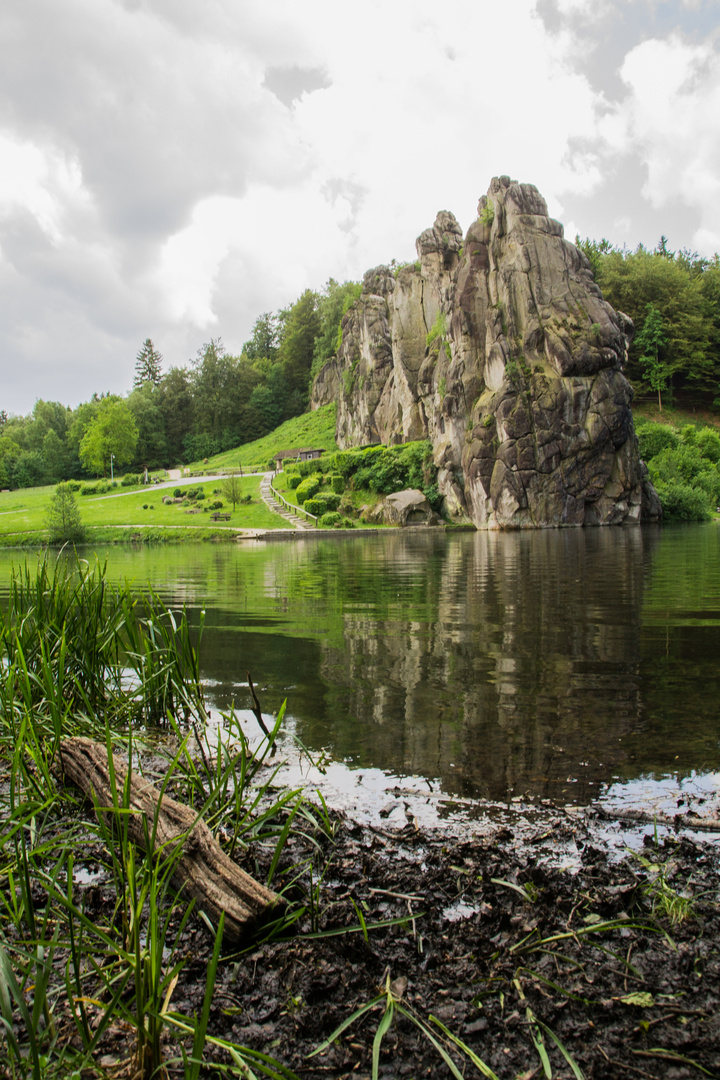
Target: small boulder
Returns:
[[402, 508]]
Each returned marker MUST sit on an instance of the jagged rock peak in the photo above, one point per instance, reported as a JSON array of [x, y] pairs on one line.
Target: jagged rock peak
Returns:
[[445, 236], [501, 350]]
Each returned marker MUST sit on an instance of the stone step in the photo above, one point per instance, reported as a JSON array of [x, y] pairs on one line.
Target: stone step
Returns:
[[277, 508]]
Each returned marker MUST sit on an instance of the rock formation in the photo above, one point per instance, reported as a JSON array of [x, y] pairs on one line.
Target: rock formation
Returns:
[[500, 349], [409, 507]]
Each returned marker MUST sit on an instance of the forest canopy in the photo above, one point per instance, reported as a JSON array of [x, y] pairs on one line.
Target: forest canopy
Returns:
[[218, 401], [673, 299], [215, 402]]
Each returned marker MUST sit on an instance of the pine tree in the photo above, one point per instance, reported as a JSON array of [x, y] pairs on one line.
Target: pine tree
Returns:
[[148, 365], [63, 519]]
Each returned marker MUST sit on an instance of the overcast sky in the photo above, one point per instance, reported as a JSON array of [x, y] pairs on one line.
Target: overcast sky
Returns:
[[173, 168]]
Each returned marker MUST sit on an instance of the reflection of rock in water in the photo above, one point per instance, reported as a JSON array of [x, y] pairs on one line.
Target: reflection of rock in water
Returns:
[[508, 663]]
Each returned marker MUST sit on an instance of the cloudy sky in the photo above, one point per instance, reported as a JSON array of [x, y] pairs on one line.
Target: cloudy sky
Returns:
[[173, 168]]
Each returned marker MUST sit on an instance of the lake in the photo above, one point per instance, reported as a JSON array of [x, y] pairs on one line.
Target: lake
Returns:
[[569, 665]]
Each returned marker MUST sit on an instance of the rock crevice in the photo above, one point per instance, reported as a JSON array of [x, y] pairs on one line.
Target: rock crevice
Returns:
[[500, 349]]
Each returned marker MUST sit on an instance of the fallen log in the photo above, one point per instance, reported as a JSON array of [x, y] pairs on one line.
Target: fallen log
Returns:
[[203, 871], [688, 820]]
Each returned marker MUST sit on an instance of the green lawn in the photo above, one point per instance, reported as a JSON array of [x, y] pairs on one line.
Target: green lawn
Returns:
[[117, 515], [316, 429]]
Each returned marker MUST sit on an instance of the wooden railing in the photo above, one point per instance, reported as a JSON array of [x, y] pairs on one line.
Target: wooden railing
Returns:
[[292, 506]]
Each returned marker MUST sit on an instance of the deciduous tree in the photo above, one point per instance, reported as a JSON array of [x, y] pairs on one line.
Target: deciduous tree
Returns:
[[112, 431], [232, 490]]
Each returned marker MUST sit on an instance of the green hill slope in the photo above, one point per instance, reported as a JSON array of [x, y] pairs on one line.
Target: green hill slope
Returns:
[[316, 429]]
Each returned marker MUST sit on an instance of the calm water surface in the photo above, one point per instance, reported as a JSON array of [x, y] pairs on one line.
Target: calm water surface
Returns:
[[567, 665]]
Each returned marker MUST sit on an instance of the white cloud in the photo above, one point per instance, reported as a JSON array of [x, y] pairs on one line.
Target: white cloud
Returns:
[[40, 182], [156, 185], [671, 117]]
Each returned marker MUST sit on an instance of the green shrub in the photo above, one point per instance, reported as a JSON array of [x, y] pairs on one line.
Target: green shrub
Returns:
[[437, 330], [330, 519], [216, 505], [654, 437], [72, 485], [307, 489], [89, 489], [200, 495], [385, 469], [177, 493], [332, 499], [681, 502], [685, 464], [314, 465], [337, 483], [294, 480], [347, 462], [708, 443], [487, 215], [317, 507]]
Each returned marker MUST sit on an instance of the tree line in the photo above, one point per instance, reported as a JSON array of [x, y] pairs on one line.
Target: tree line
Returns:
[[215, 402], [219, 401], [673, 298]]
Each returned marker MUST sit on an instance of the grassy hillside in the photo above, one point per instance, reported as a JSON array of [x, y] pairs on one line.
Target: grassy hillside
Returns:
[[316, 429], [139, 514], [674, 414]]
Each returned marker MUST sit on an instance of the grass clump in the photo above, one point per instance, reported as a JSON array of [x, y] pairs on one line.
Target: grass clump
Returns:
[[79, 656]]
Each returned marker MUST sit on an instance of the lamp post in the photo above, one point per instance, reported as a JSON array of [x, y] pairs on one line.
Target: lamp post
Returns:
[[112, 458]]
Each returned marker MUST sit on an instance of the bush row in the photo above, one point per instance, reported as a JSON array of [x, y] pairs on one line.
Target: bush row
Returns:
[[320, 505], [381, 469], [684, 467]]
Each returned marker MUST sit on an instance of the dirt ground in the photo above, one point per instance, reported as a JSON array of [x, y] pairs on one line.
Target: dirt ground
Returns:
[[608, 968]]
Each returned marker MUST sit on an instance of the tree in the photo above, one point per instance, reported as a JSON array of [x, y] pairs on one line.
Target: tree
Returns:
[[144, 404], [232, 490], [114, 432], [265, 337], [630, 280], [148, 366], [177, 407], [301, 328], [63, 518], [331, 308], [650, 341]]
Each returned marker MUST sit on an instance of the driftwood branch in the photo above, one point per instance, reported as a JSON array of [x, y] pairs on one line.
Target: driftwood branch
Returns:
[[203, 871]]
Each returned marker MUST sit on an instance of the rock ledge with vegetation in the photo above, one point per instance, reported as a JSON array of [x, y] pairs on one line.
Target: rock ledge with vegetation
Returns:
[[500, 349]]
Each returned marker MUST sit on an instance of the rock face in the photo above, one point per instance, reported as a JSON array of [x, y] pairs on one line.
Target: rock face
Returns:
[[500, 349]]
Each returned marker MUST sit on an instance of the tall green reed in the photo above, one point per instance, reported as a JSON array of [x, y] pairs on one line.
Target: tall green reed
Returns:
[[81, 656]]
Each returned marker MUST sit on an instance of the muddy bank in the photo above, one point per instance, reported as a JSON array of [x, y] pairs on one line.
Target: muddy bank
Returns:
[[606, 968]]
